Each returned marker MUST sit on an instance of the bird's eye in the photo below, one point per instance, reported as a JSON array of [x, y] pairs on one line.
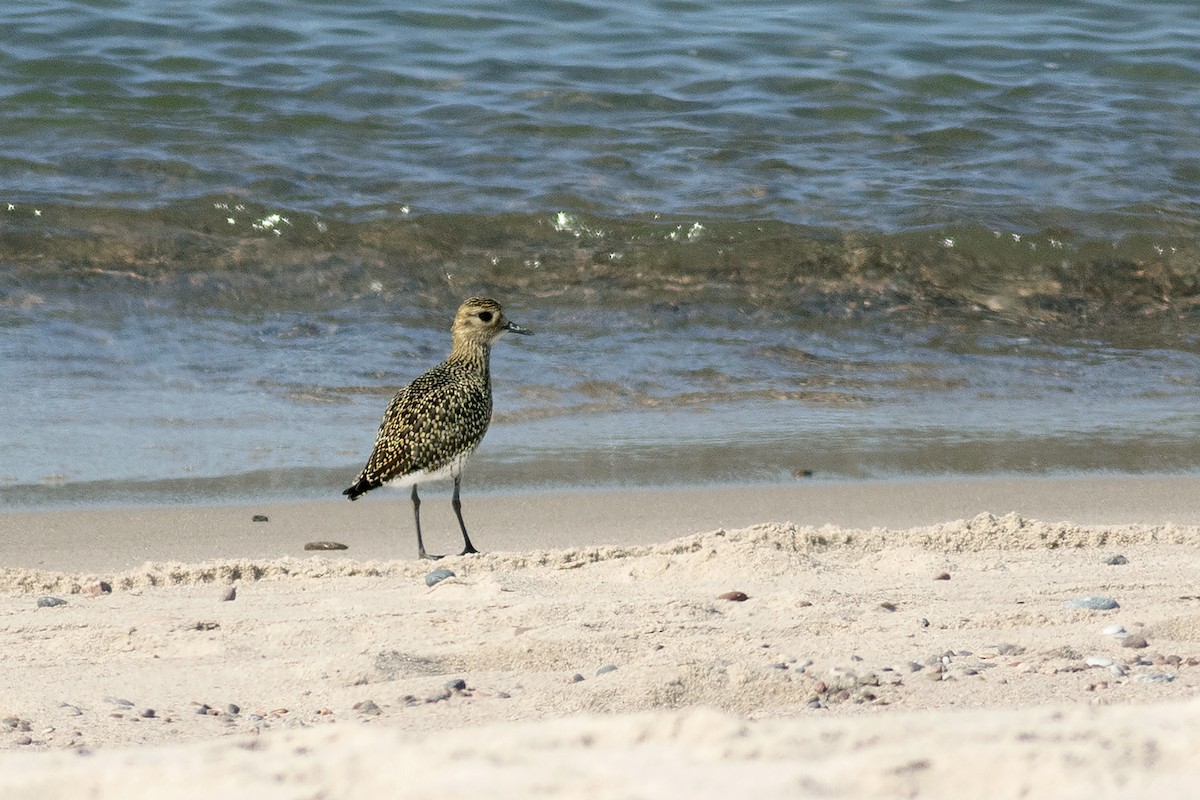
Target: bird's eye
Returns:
[[486, 316]]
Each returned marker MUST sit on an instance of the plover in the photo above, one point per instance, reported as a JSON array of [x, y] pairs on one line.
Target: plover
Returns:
[[433, 425]]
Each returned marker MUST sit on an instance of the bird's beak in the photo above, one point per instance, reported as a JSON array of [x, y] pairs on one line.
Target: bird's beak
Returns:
[[513, 327]]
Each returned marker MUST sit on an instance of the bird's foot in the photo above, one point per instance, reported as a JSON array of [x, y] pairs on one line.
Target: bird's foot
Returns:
[[428, 557], [469, 550]]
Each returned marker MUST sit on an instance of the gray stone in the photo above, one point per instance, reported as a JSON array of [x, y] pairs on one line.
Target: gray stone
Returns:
[[1094, 603], [1154, 677], [437, 576], [368, 707]]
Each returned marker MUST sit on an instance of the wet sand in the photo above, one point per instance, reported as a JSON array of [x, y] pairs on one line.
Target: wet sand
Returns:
[[914, 640]]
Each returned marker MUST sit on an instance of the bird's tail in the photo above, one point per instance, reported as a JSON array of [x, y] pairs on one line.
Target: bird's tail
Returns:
[[361, 487]]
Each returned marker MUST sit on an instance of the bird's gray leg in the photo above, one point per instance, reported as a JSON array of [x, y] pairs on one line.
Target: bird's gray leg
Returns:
[[457, 504], [417, 518]]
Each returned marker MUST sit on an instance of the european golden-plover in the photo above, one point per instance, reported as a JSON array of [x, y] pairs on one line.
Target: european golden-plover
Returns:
[[433, 425]]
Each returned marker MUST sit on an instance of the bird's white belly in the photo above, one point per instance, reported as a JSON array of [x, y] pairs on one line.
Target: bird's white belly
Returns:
[[451, 470]]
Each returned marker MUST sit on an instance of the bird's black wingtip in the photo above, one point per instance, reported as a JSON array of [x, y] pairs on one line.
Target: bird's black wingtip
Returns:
[[361, 487]]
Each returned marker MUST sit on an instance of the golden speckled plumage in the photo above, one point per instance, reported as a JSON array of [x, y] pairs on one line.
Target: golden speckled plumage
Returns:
[[434, 424], [439, 416]]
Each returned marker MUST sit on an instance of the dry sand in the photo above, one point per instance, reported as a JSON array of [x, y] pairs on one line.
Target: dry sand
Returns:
[[871, 658]]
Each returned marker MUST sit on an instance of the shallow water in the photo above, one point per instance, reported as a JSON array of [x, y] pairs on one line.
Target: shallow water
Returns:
[[754, 241]]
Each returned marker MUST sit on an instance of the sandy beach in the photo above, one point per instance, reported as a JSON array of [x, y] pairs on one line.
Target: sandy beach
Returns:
[[987, 638]]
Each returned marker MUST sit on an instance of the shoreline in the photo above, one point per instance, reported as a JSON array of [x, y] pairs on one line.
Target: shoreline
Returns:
[[379, 526]]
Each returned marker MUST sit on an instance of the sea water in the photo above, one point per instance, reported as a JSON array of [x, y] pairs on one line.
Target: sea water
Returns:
[[756, 241]]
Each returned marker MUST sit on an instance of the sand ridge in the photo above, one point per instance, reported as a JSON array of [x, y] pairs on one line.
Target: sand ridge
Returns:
[[983, 532]]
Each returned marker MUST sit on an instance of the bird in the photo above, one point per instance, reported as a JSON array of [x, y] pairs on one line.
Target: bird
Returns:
[[433, 425]]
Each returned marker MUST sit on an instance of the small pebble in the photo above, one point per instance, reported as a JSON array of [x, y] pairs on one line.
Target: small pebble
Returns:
[[1136, 641], [607, 668], [50, 602], [25, 740], [456, 685], [326, 546], [576, 678], [1114, 630], [96, 588], [437, 576], [887, 606], [1099, 661], [368, 707], [942, 576], [1116, 561], [230, 593], [233, 709], [147, 713], [1154, 677], [1094, 603], [259, 518], [734, 596], [119, 701]]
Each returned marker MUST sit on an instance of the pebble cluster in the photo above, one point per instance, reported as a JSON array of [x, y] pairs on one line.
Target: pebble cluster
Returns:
[[752, 672], [229, 714]]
